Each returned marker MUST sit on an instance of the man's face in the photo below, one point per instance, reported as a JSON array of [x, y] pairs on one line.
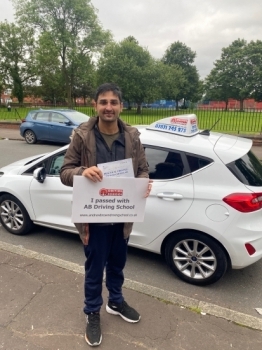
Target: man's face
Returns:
[[108, 107]]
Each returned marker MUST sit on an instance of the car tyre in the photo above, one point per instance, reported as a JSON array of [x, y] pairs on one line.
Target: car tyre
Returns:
[[13, 215], [195, 258], [30, 137]]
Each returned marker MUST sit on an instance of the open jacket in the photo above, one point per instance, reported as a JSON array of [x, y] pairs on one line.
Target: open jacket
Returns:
[[81, 154]]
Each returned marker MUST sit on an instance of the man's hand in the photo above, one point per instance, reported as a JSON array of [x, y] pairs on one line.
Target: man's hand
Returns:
[[149, 188], [93, 173]]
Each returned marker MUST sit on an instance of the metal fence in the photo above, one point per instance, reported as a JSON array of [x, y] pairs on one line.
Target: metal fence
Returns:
[[248, 121], [234, 121]]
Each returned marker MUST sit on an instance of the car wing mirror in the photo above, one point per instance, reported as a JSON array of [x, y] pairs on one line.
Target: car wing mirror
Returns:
[[68, 123], [39, 174]]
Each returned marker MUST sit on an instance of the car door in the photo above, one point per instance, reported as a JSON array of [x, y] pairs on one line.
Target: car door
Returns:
[[51, 199], [61, 129], [170, 198], [42, 125]]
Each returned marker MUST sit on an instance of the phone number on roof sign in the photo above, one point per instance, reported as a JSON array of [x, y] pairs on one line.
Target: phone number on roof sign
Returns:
[[170, 128]]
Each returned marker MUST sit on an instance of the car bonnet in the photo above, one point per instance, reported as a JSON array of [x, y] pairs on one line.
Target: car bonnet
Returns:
[[15, 166]]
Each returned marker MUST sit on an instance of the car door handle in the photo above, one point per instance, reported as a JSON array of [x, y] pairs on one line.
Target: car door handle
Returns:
[[169, 195]]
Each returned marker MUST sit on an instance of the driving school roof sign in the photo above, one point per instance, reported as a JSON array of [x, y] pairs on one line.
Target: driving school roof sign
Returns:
[[184, 125]]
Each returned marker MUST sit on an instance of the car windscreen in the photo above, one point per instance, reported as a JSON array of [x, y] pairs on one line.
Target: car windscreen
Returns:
[[247, 169], [77, 116]]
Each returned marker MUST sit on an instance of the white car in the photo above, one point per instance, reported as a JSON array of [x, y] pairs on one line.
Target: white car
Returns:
[[203, 214]]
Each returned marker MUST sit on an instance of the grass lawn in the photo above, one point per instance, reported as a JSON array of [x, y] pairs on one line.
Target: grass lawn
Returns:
[[227, 121]]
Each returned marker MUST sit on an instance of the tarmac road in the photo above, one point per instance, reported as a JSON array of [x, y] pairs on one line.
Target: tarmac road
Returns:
[[238, 290], [41, 298]]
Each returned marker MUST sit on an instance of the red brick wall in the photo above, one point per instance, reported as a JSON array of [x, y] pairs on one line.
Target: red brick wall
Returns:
[[5, 125]]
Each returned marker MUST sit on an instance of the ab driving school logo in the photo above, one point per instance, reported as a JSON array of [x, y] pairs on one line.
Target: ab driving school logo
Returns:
[[180, 121], [110, 192]]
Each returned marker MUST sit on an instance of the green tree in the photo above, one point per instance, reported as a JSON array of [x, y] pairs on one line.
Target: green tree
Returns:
[[52, 87], [217, 88], [180, 55], [237, 74], [17, 61], [83, 84], [52, 83], [72, 26], [171, 80], [254, 49], [2, 88], [132, 68]]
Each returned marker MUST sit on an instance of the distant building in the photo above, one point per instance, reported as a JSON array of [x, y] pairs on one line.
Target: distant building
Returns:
[[6, 96], [232, 104]]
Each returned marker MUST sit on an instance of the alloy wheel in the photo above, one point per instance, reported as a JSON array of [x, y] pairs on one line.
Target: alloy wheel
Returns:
[[11, 215], [194, 259]]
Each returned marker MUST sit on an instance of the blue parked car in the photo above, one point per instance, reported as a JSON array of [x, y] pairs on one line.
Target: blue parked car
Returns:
[[54, 125]]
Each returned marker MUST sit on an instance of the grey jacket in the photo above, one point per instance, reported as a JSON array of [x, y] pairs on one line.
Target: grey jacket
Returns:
[[81, 154]]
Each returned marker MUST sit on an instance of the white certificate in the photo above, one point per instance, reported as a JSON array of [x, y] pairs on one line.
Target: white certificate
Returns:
[[111, 200], [119, 168]]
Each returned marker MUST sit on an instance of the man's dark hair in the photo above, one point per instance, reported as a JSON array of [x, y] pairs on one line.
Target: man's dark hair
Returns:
[[108, 87]]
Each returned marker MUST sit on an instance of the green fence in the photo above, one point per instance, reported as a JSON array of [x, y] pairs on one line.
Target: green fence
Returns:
[[233, 121]]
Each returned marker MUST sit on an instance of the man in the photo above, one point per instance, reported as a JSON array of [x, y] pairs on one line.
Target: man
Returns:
[[104, 139]]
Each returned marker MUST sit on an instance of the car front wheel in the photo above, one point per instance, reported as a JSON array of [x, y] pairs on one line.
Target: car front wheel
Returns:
[[30, 137], [195, 258], [13, 215]]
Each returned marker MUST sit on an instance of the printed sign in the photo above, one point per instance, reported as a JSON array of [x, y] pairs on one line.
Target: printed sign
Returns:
[[119, 168], [111, 200], [185, 125]]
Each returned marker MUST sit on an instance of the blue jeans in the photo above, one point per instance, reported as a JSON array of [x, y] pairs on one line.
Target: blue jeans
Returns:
[[107, 249]]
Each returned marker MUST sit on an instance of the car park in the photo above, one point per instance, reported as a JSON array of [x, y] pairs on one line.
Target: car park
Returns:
[[203, 213], [54, 125]]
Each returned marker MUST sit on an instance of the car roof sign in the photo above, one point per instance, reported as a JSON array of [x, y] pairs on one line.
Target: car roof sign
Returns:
[[184, 125]]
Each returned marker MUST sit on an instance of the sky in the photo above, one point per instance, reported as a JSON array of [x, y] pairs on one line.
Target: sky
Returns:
[[205, 26]]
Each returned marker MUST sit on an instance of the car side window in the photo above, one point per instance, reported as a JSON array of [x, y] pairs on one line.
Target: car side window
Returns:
[[164, 164], [42, 116], [42, 164], [56, 164], [58, 118], [33, 115], [196, 162], [51, 164]]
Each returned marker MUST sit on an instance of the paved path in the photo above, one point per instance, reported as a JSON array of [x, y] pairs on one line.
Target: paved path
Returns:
[[41, 308]]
